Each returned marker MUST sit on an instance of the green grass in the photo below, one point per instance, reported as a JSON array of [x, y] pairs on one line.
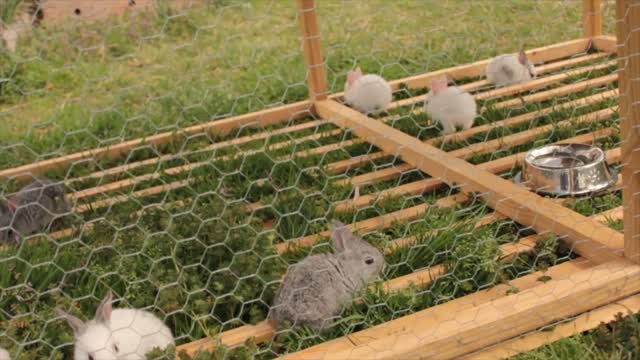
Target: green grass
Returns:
[[156, 73], [208, 265]]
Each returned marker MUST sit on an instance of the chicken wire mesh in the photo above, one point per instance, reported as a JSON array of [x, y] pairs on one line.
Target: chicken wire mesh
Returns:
[[198, 225]]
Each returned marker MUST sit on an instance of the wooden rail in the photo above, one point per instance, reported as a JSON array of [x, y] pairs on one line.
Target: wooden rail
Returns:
[[628, 24], [591, 18], [503, 196]]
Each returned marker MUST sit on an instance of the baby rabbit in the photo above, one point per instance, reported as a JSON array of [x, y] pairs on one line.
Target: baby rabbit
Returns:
[[4, 354], [369, 94], [32, 210], [510, 69], [450, 106], [316, 289], [117, 334]]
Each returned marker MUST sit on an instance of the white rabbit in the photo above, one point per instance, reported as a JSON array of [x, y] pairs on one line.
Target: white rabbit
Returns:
[[450, 106], [510, 69], [4, 354], [369, 94], [117, 334]]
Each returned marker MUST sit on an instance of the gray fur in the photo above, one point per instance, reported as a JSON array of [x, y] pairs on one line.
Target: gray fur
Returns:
[[315, 290], [37, 205], [507, 71]]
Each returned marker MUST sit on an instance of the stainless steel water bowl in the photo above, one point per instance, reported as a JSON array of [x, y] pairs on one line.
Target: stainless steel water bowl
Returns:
[[566, 170]]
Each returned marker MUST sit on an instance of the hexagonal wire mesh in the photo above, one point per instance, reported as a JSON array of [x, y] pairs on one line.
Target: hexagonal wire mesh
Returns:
[[197, 173]]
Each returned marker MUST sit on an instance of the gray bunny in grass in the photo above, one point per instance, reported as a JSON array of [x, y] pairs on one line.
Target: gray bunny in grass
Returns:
[[32, 209], [315, 290]]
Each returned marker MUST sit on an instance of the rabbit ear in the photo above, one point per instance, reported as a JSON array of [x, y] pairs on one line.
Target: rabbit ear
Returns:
[[439, 84], [103, 313], [352, 76], [76, 324], [522, 57], [340, 235]]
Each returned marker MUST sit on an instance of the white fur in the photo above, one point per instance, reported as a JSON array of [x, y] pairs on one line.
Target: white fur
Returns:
[[508, 70], [4, 354], [369, 94], [137, 332], [452, 107], [118, 334]]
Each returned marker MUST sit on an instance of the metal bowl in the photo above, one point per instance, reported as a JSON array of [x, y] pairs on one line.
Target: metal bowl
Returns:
[[566, 170]]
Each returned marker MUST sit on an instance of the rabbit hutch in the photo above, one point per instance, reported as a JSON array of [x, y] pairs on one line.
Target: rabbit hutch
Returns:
[[198, 224]]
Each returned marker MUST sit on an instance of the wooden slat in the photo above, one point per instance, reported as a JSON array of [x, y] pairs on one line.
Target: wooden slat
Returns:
[[176, 170], [613, 214], [591, 18], [422, 277], [344, 165], [628, 26], [494, 166], [569, 327], [326, 148], [263, 331], [278, 114], [480, 84], [444, 332], [543, 54], [379, 222], [480, 148], [218, 127], [605, 43], [561, 91], [219, 145], [503, 196], [542, 82], [316, 76]]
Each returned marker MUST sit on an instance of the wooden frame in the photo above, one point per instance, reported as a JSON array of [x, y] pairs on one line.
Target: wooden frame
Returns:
[[491, 322], [629, 64]]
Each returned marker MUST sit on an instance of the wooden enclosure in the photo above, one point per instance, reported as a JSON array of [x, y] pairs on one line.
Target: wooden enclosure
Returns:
[[491, 323]]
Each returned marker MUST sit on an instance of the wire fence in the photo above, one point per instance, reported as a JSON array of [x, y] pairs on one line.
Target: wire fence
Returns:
[[165, 157]]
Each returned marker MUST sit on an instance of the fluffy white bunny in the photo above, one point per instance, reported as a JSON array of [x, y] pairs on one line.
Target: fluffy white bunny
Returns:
[[450, 106], [117, 334], [510, 69], [369, 94], [4, 354]]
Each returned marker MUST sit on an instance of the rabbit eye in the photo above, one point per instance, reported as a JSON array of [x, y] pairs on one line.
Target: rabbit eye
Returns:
[[369, 261], [91, 357]]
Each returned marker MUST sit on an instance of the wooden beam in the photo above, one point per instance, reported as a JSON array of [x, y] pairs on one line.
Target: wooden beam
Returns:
[[591, 18], [481, 84], [557, 92], [495, 166], [521, 205], [213, 147], [316, 75], [542, 54], [263, 331], [217, 127], [482, 147], [441, 333], [605, 43], [628, 35], [344, 165], [274, 115], [565, 328], [542, 82]]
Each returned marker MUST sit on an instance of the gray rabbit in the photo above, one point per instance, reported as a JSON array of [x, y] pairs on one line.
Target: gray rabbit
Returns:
[[32, 209], [315, 290]]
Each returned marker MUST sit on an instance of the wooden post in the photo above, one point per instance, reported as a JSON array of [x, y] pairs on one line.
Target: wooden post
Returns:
[[591, 18], [316, 76], [628, 35]]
